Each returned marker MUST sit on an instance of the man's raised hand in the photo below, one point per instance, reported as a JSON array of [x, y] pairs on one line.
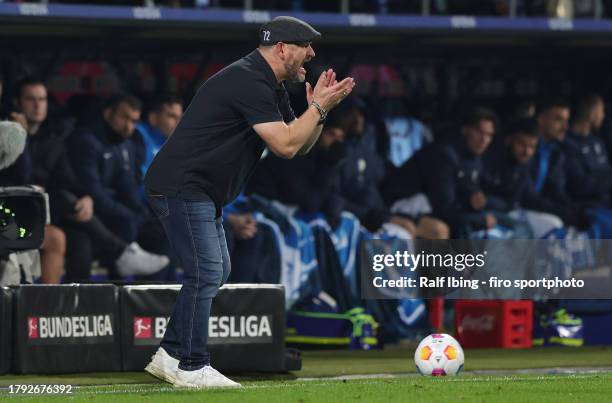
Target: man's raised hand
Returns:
[[328, 92]]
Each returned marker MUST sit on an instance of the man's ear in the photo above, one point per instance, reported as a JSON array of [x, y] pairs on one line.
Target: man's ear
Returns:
[[279, 49], [107, 113], [592, 115]]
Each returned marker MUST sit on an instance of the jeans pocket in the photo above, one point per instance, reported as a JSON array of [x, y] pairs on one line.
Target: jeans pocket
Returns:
[[159, 205], [201, 211]]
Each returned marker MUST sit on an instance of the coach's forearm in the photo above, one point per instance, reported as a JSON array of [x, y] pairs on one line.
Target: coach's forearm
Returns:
[[304, 131], [312, 141]]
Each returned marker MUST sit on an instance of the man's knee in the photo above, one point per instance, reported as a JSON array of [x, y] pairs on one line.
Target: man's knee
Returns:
[[210, 281], [55, 240]]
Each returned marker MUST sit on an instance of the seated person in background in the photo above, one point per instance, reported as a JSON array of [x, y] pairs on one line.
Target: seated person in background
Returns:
[[309, 181], [454, 184], [587, 168], [106, 168], [361, 172], [71, 208], [15, 169], [164, 114], [251, 245], [306, 209], [1, 88], [548, 171], [508, 179]]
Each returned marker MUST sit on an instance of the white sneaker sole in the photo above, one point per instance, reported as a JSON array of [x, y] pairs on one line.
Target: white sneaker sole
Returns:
[[159, 373], [189, 386], [179, 384]]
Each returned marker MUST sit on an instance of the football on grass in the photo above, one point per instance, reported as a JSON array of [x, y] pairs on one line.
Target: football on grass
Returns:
[[439, 355]]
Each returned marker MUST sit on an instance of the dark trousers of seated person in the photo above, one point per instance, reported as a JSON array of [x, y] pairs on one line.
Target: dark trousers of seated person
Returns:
[[255, 260], [150, 236], [93, 240], [84, 240]]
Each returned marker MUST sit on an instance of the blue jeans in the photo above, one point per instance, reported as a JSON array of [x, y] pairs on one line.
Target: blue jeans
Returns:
[[198, 241]]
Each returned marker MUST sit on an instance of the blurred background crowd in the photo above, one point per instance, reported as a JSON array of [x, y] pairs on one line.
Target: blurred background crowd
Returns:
[[550, 8], [440, 140]]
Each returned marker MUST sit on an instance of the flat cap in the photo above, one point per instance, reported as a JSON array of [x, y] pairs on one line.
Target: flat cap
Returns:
[[287, 29]]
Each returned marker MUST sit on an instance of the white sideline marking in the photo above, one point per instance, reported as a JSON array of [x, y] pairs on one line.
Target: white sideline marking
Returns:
[[507, 375]]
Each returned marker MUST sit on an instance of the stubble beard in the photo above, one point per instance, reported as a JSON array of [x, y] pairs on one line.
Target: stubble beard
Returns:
[[293, 72]]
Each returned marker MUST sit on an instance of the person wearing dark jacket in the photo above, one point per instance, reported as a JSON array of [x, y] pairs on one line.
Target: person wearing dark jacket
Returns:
[[508, 179], [15, 169], [362, 169], [508, 175], [105, 165], [1, 99], [361, 174], [310, 181], [454, 185], [118, 241], [588, 170], [548, 167], [410, 178]]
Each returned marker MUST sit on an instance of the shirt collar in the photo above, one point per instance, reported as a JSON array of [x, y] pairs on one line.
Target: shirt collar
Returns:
[[258, 60]]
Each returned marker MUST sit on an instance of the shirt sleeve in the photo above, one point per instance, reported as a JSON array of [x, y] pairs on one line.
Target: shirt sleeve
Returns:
[[257, 103]]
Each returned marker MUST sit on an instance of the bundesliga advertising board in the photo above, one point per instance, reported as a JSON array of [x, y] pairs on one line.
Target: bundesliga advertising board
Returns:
[[306, 200]]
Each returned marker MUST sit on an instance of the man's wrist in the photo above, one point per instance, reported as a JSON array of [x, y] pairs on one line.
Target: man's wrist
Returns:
[[322, 111]]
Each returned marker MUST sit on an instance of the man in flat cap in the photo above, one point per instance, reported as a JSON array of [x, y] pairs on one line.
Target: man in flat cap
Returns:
[[204, 165]]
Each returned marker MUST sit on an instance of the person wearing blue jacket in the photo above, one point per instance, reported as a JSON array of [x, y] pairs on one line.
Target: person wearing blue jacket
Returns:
[[164, 115]]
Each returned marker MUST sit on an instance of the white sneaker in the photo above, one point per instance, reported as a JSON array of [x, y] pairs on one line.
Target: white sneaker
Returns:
[[136, 261], [163, 366], [204, 378]]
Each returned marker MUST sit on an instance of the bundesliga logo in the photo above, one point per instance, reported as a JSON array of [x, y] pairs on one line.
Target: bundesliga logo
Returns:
[[239, 326], [32, 328], [142, 328], [221, 329], [147, 327], [69, 327]]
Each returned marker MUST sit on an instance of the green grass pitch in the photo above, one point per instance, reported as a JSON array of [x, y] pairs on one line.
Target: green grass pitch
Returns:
[[491, 377]]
